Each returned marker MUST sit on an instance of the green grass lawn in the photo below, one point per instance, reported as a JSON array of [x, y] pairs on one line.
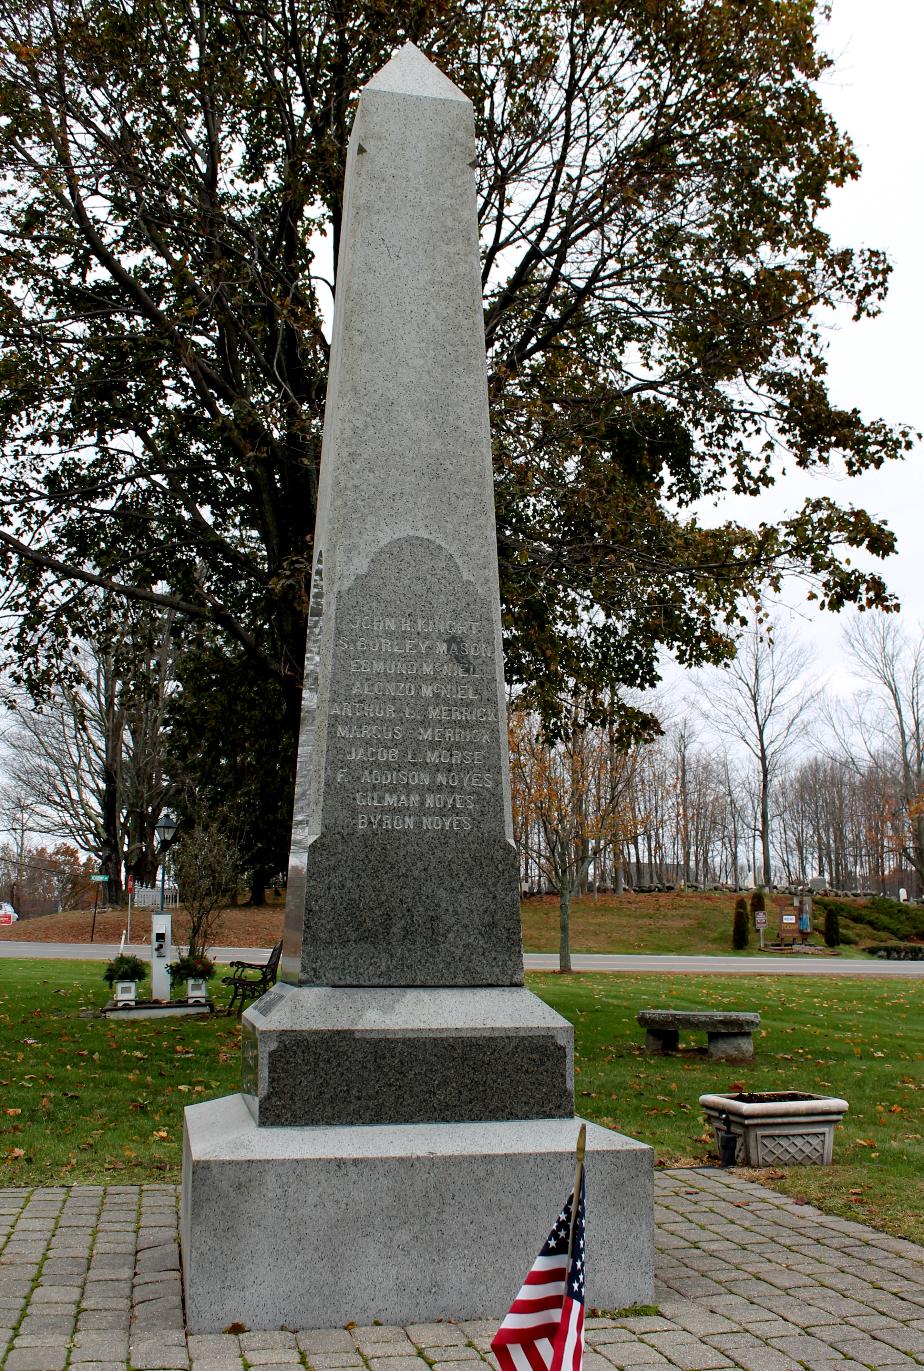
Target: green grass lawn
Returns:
[[860, 1039], [86, 1100]]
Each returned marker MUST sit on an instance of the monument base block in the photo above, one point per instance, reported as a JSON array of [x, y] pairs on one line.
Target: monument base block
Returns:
[[332, 1055], [317, 1227]]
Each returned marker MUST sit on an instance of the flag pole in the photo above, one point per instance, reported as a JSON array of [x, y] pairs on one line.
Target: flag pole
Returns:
[[579, 1167]]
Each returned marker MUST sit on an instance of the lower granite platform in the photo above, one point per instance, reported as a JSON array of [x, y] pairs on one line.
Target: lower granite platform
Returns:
[[308, 1227]]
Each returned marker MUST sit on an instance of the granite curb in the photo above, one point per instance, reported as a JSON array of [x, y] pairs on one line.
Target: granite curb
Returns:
[[747, 1278]]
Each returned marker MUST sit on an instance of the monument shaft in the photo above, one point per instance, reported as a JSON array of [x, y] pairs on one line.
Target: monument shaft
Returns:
[[402, 1092], [403, 870]]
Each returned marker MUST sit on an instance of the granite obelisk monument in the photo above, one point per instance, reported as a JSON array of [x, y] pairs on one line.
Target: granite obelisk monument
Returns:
[[406, 1122]]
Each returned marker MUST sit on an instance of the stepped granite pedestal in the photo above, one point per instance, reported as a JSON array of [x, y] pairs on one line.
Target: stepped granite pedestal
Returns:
[[405, 1133], [318, 1227]]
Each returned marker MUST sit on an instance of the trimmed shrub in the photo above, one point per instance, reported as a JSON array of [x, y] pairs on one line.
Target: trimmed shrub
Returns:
[[191, 968], [902, 952], [741, 927], [125, 967], [891, 917], [758, 903], [832, 928]]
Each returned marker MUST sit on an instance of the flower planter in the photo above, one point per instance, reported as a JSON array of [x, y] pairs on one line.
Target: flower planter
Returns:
[[776, 1128], [197, 990], [125, 992]]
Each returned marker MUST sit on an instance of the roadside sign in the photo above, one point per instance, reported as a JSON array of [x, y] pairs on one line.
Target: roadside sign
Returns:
[[6, 918], [760, 918], [130, 884], [99, 878]]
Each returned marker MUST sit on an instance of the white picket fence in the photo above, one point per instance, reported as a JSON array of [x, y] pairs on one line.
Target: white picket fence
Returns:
[[148, 896]]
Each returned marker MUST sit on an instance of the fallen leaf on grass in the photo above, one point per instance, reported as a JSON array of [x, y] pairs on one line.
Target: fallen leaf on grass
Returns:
[[11, 1112], [160, 1133], [866, 1142]]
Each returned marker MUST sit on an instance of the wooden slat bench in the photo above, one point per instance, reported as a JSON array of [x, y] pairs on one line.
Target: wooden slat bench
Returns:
[[728, 1033]]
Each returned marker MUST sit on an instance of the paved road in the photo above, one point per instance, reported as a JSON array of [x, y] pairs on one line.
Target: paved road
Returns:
[[784, 964], [789, 964], [104, 952]]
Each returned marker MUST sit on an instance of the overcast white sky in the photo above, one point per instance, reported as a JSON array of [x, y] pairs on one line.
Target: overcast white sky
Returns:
[[874, 92]]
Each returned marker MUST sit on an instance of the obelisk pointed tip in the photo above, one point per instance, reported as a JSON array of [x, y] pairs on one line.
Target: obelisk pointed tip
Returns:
[[409, 72]]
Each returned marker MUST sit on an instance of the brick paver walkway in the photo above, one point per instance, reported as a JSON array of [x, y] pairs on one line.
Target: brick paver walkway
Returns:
[[89, 1279]]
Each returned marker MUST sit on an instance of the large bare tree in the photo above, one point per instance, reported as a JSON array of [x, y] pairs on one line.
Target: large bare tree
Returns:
[[887, 730], [763, 703], [90, 759], [570, 801]]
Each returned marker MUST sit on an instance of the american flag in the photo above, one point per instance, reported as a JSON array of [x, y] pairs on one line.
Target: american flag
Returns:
[[544, 1330]]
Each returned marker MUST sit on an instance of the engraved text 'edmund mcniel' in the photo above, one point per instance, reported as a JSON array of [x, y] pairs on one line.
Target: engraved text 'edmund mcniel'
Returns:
[[421, 702]]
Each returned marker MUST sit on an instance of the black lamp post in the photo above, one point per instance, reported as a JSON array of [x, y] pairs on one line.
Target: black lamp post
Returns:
[[165, 829]]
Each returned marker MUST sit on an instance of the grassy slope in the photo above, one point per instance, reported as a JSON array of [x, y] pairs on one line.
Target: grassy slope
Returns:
[[86, 1100], [241, 926], [680, 922], [691, 922]]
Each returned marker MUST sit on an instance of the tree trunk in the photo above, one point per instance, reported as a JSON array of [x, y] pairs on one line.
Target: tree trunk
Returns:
[[765, 824], [618, 876], [258, 886], [564, 926], [110, 857]]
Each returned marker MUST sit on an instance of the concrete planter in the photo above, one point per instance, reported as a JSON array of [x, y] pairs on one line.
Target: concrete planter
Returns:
[[777, 1128], [197, 990]]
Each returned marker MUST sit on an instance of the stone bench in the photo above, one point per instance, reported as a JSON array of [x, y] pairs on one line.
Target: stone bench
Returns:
[[728, 1033]]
